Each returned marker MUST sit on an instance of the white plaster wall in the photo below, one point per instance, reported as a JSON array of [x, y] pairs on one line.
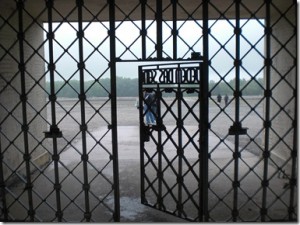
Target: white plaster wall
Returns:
[[12, 138], [35, 82], [282, 92]]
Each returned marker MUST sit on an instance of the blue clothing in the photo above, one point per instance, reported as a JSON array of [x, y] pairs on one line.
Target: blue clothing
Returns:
[[149, 115]]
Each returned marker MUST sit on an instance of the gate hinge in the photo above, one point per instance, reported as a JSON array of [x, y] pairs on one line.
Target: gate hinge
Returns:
[[53, 133], [237, 129]]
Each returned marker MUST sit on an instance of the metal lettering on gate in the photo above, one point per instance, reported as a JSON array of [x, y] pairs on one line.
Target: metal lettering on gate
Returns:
[[171, 146]]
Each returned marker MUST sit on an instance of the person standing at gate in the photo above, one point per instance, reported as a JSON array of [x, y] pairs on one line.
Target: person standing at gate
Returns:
[[148, 96], [226, 99], [219, 98], [154, 105]]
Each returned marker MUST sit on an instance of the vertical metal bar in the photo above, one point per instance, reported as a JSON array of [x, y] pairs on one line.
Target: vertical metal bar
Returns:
[[267, 122], [52, 98], [159, 31], [204, 143], [160, 149], [236, 154], [23, 97], [4, 209], [204, 119], [83, 126], [174, 31], [179, 148], [113, 85], [143, 28], [293, 181], [142, 136]]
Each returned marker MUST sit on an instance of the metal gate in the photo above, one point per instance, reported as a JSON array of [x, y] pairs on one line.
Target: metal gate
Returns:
[[197, 160], [173, 111], [247, 164]]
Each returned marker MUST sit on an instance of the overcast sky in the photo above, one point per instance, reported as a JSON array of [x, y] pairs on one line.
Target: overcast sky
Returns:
[[127, 32]]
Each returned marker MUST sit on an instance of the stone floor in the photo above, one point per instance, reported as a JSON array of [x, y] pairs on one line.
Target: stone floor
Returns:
[[131, 210]]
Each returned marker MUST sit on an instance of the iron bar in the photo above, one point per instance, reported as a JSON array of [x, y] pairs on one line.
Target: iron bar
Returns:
[[237, 94], [142, 143], [160, 148], [204, 119], [23, 98], [143, 29], [113, 95], [204, 140], [52, 98], [267, 121], [293, 180], [180, 150], [174, 29], [82, 99], [4, 209], [159, 31]]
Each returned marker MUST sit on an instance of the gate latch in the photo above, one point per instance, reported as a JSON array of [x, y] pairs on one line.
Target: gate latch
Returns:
[[237, 129], [54, 132]]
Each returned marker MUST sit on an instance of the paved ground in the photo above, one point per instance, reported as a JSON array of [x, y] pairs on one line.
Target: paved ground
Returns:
[[221, 183], [221, 172]]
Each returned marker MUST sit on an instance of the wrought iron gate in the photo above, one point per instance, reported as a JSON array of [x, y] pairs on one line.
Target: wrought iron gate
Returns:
[[59, 157], [173, 150], [199, 163], [243, 174]]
